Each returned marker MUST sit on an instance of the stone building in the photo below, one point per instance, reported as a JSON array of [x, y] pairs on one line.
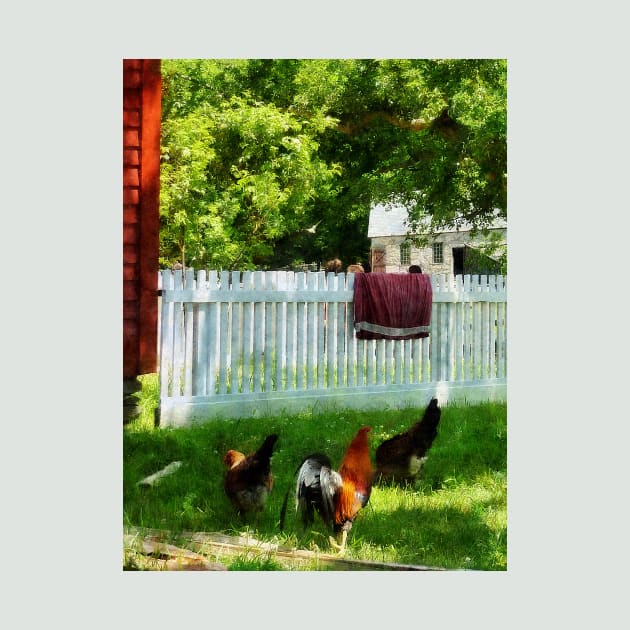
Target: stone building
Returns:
[[453, 250]]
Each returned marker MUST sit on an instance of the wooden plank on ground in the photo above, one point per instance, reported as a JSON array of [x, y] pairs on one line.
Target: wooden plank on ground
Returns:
[[217, 545], [152, 554]]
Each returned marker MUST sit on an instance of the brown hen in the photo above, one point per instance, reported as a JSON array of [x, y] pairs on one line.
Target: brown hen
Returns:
[[248, 480]]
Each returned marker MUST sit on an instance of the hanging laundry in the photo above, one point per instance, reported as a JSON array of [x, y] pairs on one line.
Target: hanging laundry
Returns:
[[392, 305]]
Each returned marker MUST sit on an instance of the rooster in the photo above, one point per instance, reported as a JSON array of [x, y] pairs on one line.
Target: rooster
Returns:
[[248, 479], [337, 496], [402, 457]]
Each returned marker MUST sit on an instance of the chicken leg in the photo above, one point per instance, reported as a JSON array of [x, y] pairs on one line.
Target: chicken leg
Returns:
[[340, 547]]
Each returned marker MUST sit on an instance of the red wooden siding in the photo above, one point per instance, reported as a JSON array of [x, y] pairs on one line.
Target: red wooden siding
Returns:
[[141, 188]]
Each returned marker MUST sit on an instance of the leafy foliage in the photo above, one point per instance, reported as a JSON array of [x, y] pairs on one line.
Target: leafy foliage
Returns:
[[256, 151]]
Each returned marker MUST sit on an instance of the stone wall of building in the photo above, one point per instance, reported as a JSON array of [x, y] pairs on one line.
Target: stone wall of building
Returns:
[[424, 256]]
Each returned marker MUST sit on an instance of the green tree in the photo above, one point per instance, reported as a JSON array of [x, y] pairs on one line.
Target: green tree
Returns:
[[256, 151]]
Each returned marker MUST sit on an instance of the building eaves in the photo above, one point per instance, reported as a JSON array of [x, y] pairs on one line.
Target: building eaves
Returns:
[[392, 220]]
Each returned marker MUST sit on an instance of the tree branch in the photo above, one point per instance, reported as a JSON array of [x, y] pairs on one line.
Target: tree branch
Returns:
[[415, 124], [442, 124]]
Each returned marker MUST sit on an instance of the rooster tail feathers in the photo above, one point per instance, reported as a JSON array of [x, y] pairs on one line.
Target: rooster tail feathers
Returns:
[[283, 511], [425, 430], [315, 487], [433, 410], [330, 483], [309, 469], [266, 449], [285, 502], [431, 419]]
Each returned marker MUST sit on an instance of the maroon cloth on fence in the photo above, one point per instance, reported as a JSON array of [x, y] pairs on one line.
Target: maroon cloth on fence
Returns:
[[392, 305]]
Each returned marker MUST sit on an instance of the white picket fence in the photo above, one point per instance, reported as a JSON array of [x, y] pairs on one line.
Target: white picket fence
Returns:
[[236, 344]]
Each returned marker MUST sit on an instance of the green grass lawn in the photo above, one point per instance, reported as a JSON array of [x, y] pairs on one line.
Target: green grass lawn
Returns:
[[454, 518]]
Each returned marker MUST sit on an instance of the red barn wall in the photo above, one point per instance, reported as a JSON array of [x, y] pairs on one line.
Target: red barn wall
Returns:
[[141, 189]]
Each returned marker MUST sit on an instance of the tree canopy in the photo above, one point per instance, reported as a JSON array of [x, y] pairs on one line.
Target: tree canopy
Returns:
[[272, 162]]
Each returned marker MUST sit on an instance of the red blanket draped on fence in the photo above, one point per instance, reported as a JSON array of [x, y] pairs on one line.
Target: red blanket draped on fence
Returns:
[[392, 305]]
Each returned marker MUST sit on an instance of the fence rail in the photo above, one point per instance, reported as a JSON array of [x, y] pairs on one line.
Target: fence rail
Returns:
[[234, 344]]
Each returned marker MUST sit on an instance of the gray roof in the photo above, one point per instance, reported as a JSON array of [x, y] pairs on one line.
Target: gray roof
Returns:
[[387, 221], [391, 220]]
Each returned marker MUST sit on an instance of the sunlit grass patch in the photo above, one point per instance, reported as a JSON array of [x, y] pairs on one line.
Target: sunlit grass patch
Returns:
[[454, 517]]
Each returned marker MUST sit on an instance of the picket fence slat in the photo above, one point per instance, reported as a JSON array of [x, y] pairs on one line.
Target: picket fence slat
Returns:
[[259, 332], [178, 339], [248, 309], [301, 327], [280, 341], [350, 337], [213, 345], [188, 335], [341, 337], [166, 338], [201, 343], [459, 341], [233, 337], [311, 345], [331, 331], [321, 333], [434, 342]]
